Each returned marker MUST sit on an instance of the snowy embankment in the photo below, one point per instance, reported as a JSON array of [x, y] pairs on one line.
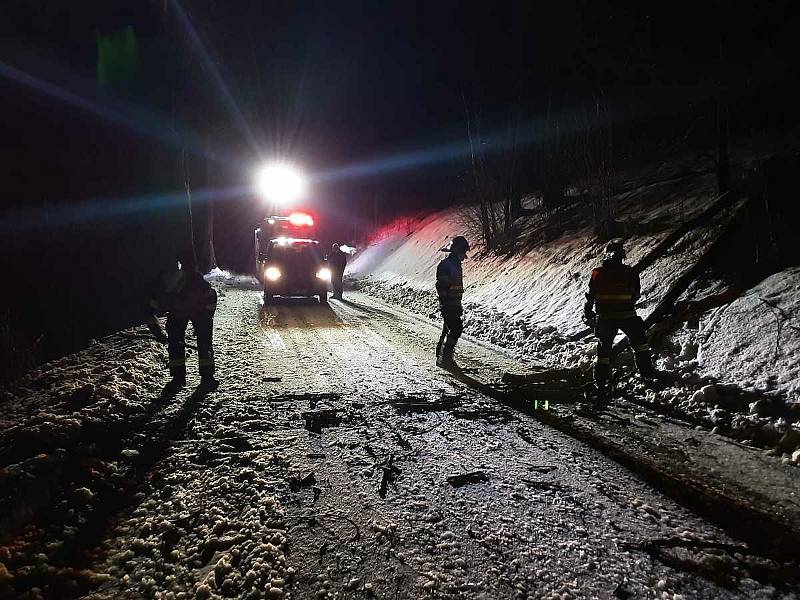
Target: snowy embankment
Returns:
[[756, 338], [64, 430], [53, 404], [752, 347], [531, 304]]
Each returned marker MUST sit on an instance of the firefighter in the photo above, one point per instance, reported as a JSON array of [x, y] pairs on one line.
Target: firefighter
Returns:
[[337, 261], [186, 297], [450, 288], [614, 289]]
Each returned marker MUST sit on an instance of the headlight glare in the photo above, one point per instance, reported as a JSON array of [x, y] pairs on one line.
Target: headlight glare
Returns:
[[324, 274], [273, 273]]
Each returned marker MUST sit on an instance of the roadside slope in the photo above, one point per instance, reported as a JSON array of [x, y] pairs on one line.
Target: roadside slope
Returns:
[[737, 372]]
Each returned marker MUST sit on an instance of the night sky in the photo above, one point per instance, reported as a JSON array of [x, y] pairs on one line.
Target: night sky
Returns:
[[332, 83], [370, 97]]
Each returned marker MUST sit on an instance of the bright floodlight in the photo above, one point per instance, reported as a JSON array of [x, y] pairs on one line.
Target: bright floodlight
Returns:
[[280, 183]]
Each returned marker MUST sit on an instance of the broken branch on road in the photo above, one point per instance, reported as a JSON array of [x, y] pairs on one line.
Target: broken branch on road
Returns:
[[467, 478], [390, 473], [316, 420]]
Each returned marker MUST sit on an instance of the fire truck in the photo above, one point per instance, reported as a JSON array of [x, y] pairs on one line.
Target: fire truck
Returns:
[[289, 262]]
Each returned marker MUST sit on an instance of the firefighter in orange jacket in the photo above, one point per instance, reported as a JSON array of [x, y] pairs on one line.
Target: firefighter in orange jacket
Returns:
[[186, 297], [613, 291]]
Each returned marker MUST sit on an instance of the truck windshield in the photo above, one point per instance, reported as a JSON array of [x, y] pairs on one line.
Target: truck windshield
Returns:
[[295, 255]]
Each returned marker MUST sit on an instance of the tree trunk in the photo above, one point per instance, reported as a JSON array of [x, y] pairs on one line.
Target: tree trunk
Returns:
[[723, 162], [211, 255], [774, 213], [188, 188]]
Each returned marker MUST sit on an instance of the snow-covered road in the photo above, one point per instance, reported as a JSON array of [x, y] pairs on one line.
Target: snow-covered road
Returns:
[[327, 466]]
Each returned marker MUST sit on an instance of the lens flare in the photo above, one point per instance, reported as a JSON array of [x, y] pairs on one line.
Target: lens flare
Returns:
[[280, 183]]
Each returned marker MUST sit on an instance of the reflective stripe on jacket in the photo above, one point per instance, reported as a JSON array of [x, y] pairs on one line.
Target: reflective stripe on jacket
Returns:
[[614, 287]]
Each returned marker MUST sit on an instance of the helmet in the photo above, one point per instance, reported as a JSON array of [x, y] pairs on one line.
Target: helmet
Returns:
[[459, 245], [615, 249]]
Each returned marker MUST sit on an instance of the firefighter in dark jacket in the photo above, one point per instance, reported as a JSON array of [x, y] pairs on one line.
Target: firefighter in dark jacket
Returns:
[[450, 288], [185, 296], [337, 261], [613, 291]]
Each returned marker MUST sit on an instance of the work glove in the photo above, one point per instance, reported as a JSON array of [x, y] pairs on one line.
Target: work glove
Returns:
[[589, 318]]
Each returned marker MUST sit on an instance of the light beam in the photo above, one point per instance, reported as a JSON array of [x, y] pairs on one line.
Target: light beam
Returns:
[[84, 212], [205, 57], [134, 119]]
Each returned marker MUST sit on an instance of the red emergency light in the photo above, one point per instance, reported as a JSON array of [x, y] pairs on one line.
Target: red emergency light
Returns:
[[299, 219]]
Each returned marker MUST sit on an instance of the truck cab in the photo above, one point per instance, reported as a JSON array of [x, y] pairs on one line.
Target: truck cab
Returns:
[[289, 263]]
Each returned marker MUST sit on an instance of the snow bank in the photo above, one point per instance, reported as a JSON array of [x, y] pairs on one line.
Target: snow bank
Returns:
[[739, 372], [110, 381], [544, 287], [217, 274], [755, 340], [225, 279]]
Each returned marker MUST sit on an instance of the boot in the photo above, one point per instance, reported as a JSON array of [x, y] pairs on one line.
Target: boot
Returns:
[[174, 385], [601, 388], [598, 394], [644, 364], [601, 375], [208, 384], [445, 360]]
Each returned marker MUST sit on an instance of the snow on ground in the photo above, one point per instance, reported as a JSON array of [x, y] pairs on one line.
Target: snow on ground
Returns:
[[544, 287], [63, 430], [531, 304], [756, 339], [53, 403], [743, 362], [232, 495]]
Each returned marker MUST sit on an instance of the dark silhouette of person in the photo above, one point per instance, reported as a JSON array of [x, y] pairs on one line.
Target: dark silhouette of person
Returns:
[[185, 296], [337, 261], [614, 288], [449, 289]]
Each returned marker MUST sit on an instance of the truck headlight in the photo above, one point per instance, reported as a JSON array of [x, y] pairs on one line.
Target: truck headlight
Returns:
[[324, 274], [273, 273]]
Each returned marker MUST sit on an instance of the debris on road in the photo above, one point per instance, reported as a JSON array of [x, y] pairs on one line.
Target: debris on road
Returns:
[[543, 376], [413, 404], [297, 483], [390, 473], [316, 420], [467, 478]]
